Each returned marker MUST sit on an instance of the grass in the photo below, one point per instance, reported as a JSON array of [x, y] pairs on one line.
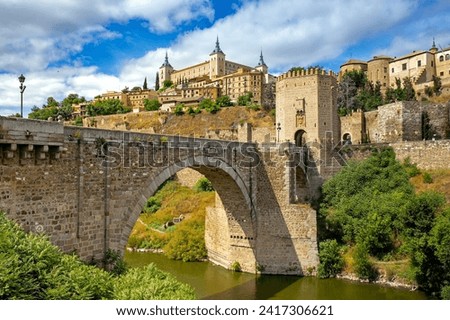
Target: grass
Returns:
[[440, 182], [176, 200]]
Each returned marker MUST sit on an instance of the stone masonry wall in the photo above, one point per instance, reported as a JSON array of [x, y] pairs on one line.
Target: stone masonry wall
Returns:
[[88, 192]]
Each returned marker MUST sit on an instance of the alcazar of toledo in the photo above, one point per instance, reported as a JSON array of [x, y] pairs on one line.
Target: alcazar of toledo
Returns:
[[306, 101]]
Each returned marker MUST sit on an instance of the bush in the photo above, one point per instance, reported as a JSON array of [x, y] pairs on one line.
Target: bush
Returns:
[[188, 242], [331, 262], [203, 185], [179, 109], [151, 104], [153, 205], [427, 178], [150, 283], [445, 293], [236, 266], [32, 268], [363, 267]]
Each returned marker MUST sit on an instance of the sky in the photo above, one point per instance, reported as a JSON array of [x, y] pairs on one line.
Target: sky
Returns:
[[92, 46]]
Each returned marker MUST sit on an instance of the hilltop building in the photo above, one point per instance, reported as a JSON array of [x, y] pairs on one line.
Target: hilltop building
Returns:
[[419, 66], [214, 78]]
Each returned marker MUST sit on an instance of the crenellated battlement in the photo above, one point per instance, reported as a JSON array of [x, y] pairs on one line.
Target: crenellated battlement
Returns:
[[307, 72]]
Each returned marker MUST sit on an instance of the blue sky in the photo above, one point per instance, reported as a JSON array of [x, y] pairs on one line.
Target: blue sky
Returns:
[[91, 46]]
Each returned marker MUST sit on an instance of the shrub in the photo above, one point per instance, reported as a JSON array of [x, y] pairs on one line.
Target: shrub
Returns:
[[411, 168], [188, 242], [179, 109], [445, 293], [363, 267], [236, 266], [150, 283], [331, 262], [32, 268], [427, 178], [153, 205], [203, 185], [151, 104]]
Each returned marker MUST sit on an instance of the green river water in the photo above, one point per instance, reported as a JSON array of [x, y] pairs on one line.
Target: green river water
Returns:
[[214, 282]]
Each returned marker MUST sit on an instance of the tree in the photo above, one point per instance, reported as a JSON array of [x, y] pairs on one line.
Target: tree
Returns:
[[144, 86], [245, 99], [224, 101], [105, 107], [209, 105], [151, 104], [401, 92], [157, 81], [167, 84], [331, 261], [179, 109]]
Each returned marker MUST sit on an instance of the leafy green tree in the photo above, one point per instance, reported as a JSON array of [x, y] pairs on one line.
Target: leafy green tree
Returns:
[[151, 104], [246, 99], [363, 267], [203, 185], [167, 84], [401, 92], [362, 202], [331, 261], [106, 107], [224, 101], [179, 109], [209, 105]]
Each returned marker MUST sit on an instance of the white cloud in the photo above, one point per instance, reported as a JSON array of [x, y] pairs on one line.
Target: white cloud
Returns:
[[290, 33], [37, 33]]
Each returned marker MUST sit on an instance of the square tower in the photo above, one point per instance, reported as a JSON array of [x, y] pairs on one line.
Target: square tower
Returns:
[[306, 107]]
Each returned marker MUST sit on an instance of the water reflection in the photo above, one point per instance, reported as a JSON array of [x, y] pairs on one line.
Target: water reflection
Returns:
[[213, 282]]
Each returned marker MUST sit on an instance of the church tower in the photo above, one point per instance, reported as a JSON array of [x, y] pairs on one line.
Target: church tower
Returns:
[[262, 67], [165, 71], [216, 62]]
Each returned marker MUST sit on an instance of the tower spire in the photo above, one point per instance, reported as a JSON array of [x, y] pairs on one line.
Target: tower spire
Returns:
[[166, 62], [261, 60], [217, 48]]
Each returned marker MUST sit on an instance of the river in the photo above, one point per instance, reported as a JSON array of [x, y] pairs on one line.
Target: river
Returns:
[[214, 282]]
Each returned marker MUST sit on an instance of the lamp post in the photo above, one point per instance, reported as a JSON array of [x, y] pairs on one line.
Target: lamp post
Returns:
[[22, 89], [278, 131]]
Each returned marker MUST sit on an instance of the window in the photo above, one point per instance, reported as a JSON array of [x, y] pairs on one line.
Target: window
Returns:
[[404, 66], [447, 56], [419, 63], [392, 70], [441, 58], [385, 69], [442, 73], [432, 63]]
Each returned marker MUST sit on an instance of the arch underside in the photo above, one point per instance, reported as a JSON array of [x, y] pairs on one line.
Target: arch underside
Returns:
[[229, 226]]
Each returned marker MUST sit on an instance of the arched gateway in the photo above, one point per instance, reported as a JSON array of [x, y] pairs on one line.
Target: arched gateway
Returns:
[[86, 187]]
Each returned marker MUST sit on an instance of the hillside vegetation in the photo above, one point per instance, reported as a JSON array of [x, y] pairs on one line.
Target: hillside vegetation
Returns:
[[184, 240], [372, 218], [186, 124]]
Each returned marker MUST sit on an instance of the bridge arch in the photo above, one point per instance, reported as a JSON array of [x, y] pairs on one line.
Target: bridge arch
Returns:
[[229, 224]]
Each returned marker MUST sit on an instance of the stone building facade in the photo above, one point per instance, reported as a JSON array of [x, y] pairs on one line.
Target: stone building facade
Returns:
[[224, 76], [420, 66]]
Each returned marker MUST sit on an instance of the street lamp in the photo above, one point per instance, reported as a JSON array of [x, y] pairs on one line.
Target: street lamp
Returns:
[[22, 89], [278, 131]]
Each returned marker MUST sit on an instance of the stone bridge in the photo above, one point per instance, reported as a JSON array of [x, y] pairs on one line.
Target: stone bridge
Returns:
[[85, 189]]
